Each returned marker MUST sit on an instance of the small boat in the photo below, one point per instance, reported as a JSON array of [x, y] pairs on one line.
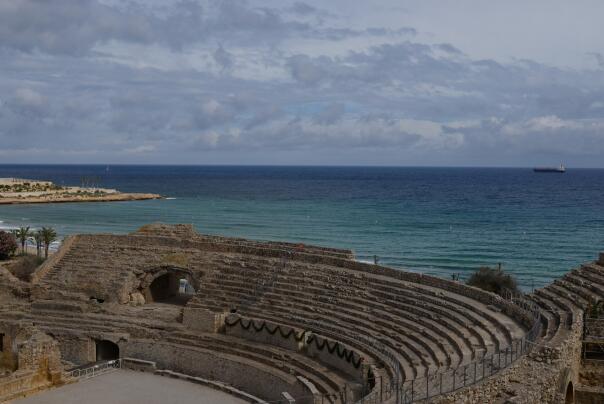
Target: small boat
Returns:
[[560, 169]]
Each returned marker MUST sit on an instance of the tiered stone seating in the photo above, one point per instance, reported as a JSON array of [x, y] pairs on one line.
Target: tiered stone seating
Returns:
[[425, 329], [573, 292], [327, 380], [403, 325], [550, 316], [281, 362]]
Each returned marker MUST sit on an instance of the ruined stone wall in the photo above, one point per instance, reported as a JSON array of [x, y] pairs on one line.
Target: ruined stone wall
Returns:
[[197, 362], [592, 373], [40, 351], [38, 364], [540, 377], [77, 349]]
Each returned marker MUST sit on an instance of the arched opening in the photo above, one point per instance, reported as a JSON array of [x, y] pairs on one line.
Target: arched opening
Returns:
[[107, 350], [172, 288], [570, 394]]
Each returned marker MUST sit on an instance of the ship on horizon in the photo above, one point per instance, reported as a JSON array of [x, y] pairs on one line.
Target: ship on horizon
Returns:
[[561, 169]]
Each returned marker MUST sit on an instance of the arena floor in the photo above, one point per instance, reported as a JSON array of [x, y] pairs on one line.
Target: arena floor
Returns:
[[128, 387]]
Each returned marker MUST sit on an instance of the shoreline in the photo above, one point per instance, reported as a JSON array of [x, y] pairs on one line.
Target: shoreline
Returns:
[[115, 197], [15, 191]]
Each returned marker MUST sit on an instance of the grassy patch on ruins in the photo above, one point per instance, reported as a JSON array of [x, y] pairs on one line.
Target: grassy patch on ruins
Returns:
[[23, 266]]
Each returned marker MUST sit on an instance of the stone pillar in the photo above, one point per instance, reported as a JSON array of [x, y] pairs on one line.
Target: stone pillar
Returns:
[[601, 260]]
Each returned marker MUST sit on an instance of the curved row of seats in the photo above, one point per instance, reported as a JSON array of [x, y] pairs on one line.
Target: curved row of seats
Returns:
[[404, 327], [425, 329], [281, 363], [561, 300]]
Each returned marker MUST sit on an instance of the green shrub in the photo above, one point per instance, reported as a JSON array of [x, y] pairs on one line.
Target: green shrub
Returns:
[[493, 280], [8, 245]]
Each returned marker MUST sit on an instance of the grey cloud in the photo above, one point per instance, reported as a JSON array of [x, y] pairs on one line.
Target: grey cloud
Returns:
[[29, 102], [449, 48], [598, 57], [303, 8], [67, 27], [264, 115], [224, 59], [211, 113], [73, 28], [307, 134], [330, 114], [309, 70], [250, 92]]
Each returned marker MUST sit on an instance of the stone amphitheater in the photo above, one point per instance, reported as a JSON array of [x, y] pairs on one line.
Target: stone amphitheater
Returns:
[[271, 322]]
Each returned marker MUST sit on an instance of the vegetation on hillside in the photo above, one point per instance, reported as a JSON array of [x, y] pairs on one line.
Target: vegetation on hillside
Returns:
[[29, 187], [48, 235], [493, 280], [23, 265], [22, 234], [8, 244]]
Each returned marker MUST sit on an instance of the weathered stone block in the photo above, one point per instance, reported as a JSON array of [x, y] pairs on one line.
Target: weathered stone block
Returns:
[[137, 299], [203, 320]]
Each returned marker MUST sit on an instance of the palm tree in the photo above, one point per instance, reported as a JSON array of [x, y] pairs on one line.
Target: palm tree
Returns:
[[39, 241], [48, 236], [22, 235]]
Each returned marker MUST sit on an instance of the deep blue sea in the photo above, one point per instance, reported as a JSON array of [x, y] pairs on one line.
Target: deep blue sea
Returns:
[[439, 221]]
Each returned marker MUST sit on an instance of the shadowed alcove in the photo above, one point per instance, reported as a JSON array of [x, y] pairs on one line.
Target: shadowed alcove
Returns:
[[107, 350], [570, 394], [173, 287]]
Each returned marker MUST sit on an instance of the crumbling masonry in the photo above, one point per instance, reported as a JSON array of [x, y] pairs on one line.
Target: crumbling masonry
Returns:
[[277, 321]]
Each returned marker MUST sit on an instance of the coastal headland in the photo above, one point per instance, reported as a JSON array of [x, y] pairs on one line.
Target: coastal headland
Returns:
[[22, 191]]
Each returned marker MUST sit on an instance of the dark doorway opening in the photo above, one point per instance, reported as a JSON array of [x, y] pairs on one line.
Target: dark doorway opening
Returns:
[[107, 351], [1, 342], [171, 288], [570, 394]]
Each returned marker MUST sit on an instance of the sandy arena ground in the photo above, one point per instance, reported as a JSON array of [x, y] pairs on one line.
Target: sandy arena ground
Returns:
[[128, 387]]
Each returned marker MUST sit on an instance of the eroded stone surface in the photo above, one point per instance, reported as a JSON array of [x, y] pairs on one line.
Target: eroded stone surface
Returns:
[[269, 317]]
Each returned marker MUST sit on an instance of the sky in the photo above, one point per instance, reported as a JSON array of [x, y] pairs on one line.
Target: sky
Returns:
[[338, 82]]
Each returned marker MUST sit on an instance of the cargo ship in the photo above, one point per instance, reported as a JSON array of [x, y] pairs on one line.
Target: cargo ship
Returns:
[[560, 169]]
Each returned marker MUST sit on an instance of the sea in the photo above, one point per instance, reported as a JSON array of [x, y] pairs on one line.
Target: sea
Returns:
[[439, 221]]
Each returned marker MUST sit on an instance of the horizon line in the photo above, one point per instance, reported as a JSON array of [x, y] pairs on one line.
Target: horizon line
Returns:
[[286, 165]]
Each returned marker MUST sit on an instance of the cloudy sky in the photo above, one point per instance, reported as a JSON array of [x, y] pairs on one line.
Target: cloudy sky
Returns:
[[384, 82]]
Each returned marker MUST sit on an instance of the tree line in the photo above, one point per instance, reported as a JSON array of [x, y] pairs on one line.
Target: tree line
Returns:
[[43, 238]]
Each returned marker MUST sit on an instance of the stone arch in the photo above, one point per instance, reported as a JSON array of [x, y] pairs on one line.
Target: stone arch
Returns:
[[163, 285], [106, 350], [566, 388], [569, 397]]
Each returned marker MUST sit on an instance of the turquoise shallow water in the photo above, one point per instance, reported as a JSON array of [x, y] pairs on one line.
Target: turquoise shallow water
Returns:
[[435, 220]]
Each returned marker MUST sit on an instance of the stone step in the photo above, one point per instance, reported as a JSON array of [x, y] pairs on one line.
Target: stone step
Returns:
[[448, 308], [588, 281], [398, 287], [348, 324], [330, 379], [580, 289], [365, 303], [573, 301]]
